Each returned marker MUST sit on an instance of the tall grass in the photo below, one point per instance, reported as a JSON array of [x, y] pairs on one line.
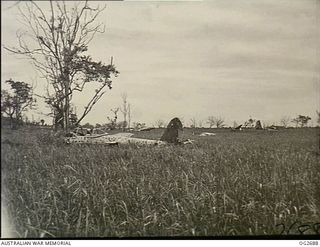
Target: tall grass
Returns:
[[244, 183]]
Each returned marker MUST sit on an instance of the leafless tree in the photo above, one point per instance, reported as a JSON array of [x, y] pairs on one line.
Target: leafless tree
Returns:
[[216, 121], [113, 121], [200, 123], [125, 109], [129, 116], [56, 42], [235, 124], [285, 120], [211, 121], [193, 122], [160, 123]]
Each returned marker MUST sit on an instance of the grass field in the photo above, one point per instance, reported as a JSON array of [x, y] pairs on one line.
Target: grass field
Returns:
[[234, 183]]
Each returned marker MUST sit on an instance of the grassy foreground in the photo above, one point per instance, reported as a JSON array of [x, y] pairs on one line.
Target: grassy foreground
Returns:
[[234, 183]]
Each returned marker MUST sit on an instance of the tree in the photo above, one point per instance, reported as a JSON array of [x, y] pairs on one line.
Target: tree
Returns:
[[129, 116], [235, 124], [301, 120], [193, 122], [113, 121], [160, 123], [318, 116], [137, 125], [56, 42], [73, 119], [211, 121], [285, 120], [200, 123], [215, 121], [125, 110], [17, 101]]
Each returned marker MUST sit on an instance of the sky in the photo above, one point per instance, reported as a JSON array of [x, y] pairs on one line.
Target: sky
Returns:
[[194, 59]]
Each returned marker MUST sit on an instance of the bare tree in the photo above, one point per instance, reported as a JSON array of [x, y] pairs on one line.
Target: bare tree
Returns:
[[125, 109], [160, 123], [113, 121], [215, 121], [56, 42], [235, 124], [200, 123], [193, 122], [285, 120], [211, 121], [129, 116]]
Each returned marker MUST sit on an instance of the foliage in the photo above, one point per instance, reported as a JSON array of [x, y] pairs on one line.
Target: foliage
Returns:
[[301, 120], [16, 100], [57, 43]]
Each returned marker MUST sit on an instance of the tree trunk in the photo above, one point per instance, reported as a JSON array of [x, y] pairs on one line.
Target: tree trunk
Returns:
[[66, 106]]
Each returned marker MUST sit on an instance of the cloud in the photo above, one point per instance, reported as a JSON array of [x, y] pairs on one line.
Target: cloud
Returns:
[[231, 58]]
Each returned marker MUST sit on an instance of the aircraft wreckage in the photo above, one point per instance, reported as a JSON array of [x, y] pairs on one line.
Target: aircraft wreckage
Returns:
[[170, 135]]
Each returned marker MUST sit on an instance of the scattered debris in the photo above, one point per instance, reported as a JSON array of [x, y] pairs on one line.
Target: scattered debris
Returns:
[[82, 131], [207, 134], [147, 129], [258, 125], [188, 141], [123, 134], [272, 129], [170, 136], [111, 140], [238, 128]]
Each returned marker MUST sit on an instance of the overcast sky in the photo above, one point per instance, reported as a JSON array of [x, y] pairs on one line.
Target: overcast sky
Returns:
[[226, 58]]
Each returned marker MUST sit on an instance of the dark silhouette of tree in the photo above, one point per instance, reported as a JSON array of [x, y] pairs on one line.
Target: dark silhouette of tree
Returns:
[[16, 101], [215, 121], [113, 121], [301, 120], [57, 42]]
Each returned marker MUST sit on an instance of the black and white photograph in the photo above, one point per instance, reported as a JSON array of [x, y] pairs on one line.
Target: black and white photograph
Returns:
[[160, 119]]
